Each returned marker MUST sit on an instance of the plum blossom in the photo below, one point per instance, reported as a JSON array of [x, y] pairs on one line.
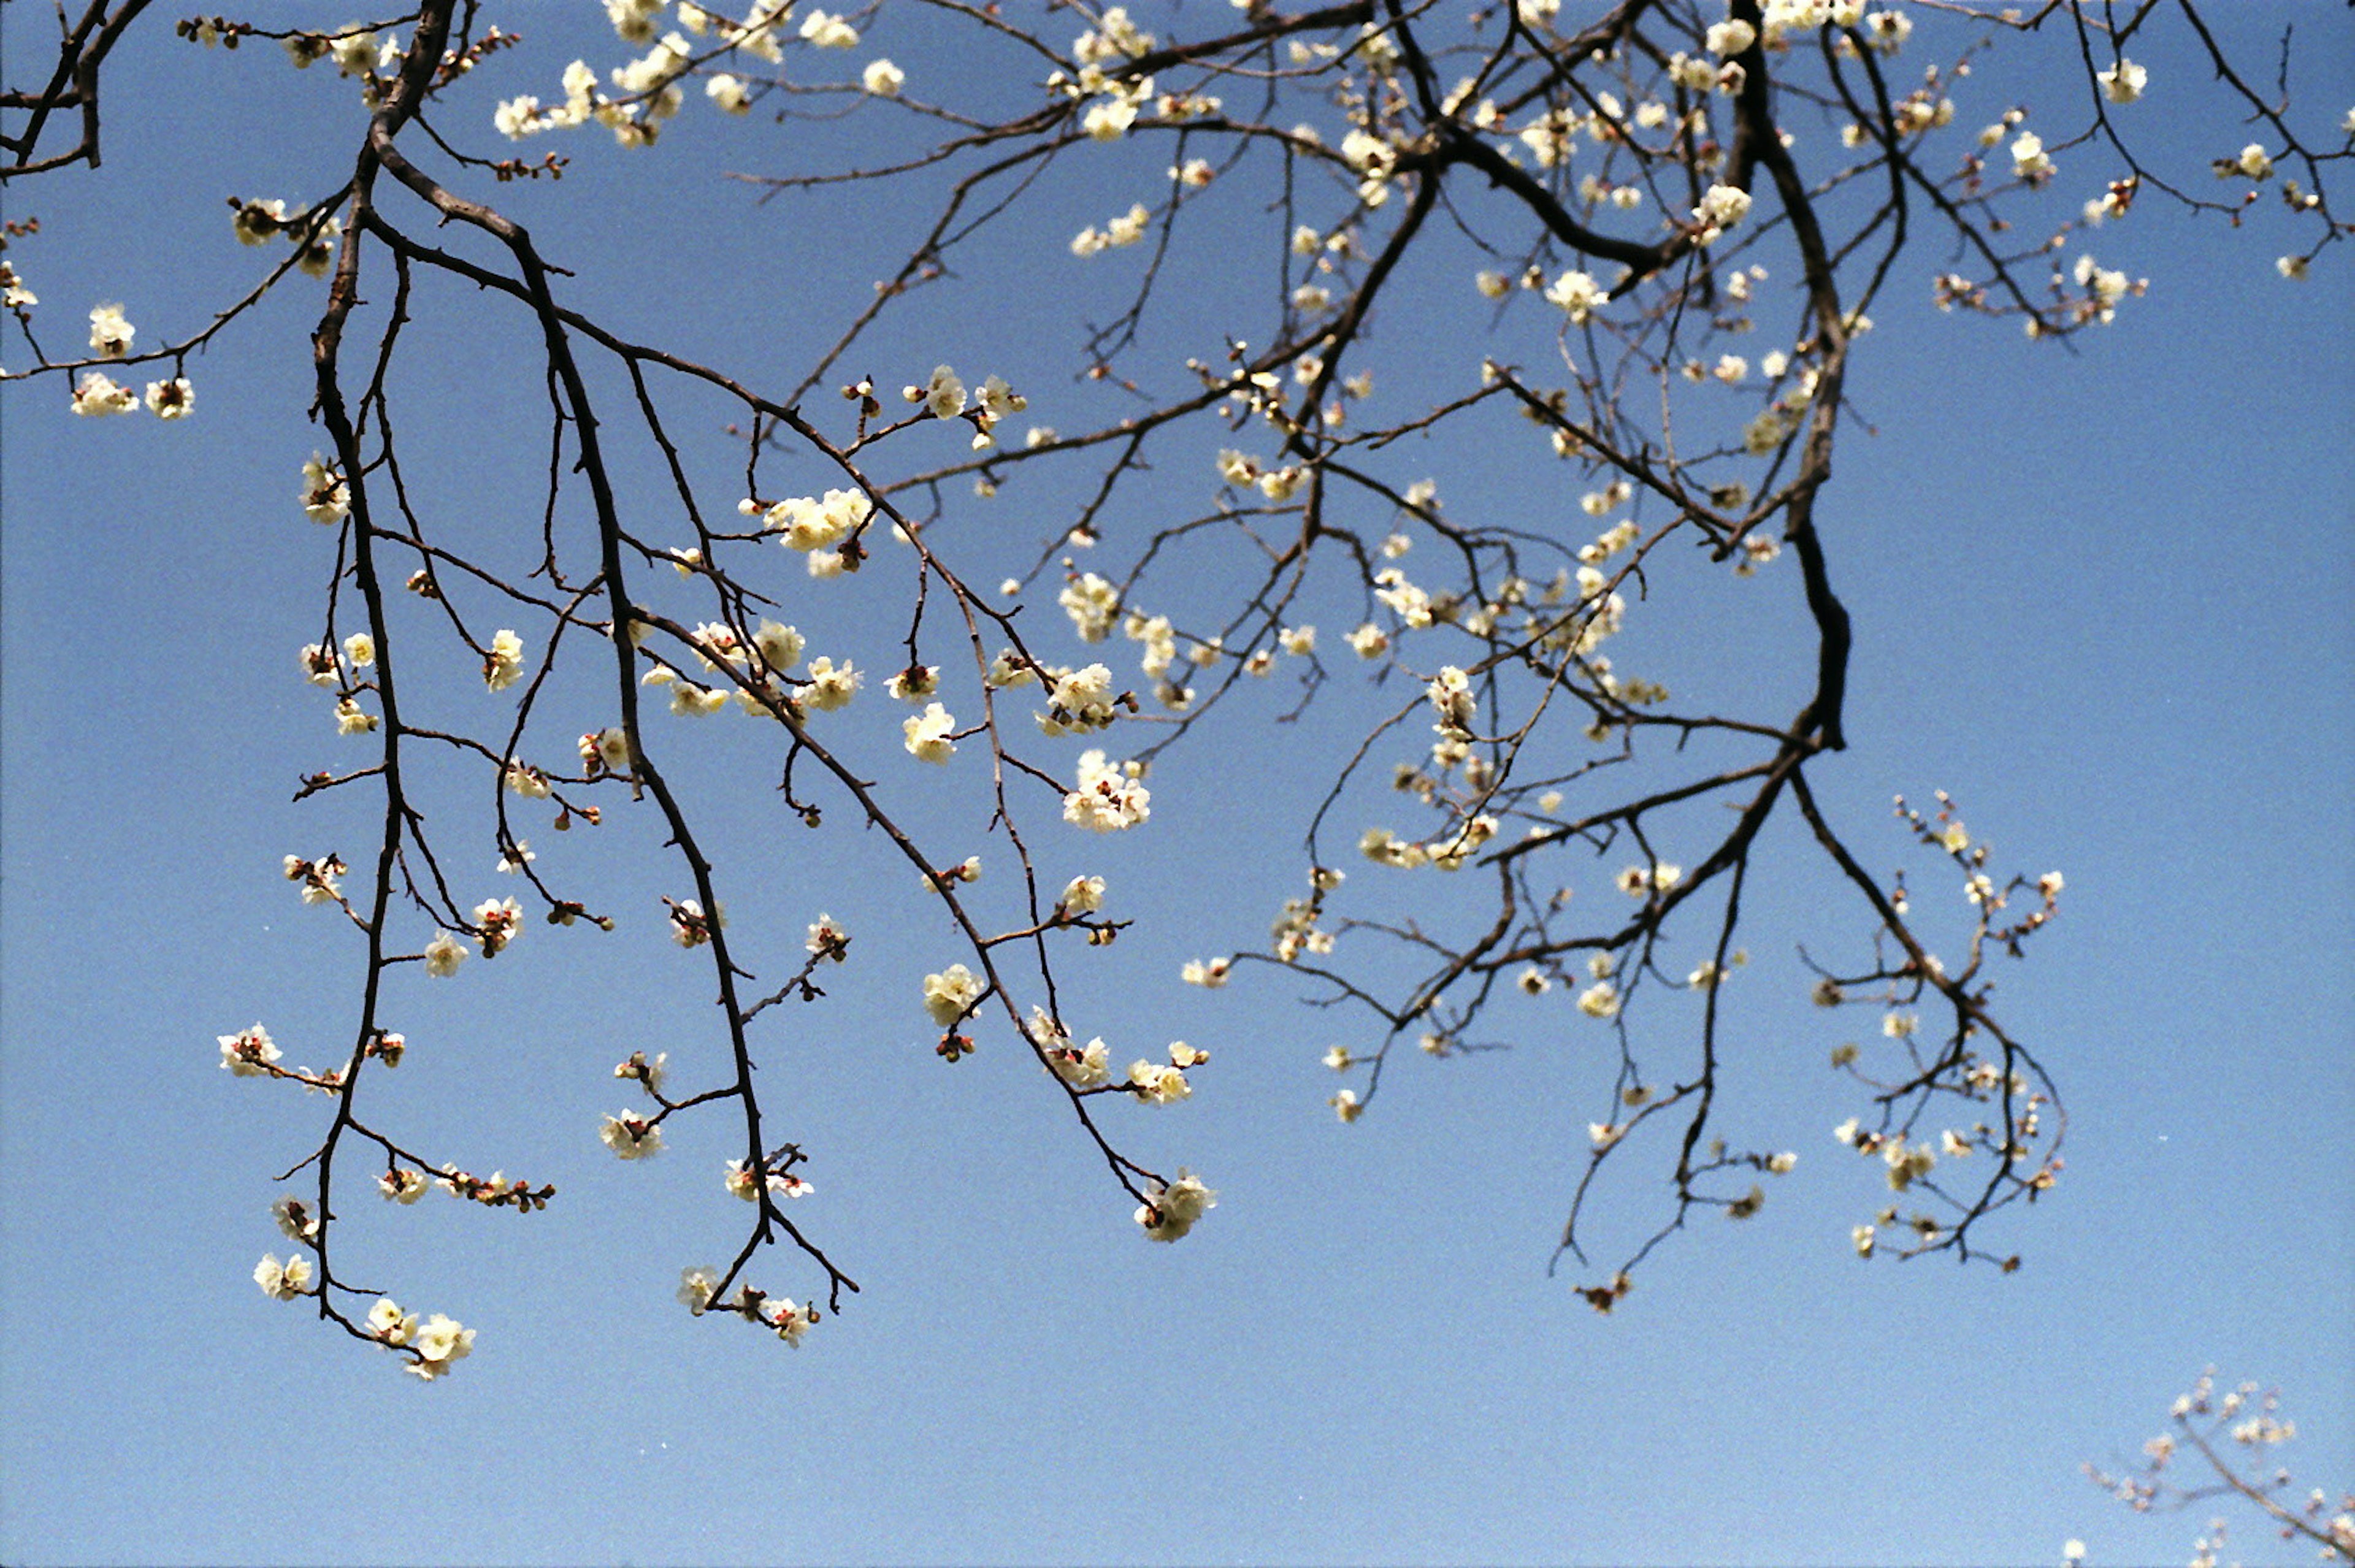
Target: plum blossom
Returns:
[[639, 1069], [527, 781], [1092, 602], [440, 1344], [927, 735], [1209, 974], [1578, 294], [1170, 1212], [1082, 700], [172, 400], [294, 1219], [2028, 159], [828, 32], [249, 1053], [630, 1135], [96, 396], [283, 1282], [790, 1321], [389, 1323], [697, 1287], [500, 920], [1450, 692], [1110, 796], [1108, 119], [829, 688], [1721, 208], [827, 939], [442, 956], [1081, 1067], [1155, 1083], [503, 665], [110, 335], [326, 498], [1730, 37], [814, 524], [951, 994], [689, 926], [943, 395], [780, 648]]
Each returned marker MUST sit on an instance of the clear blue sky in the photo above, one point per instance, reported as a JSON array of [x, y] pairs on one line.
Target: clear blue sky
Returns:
[[2102, 594]]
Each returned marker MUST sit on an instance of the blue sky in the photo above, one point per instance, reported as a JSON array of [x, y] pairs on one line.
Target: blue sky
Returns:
[[2100, 593]]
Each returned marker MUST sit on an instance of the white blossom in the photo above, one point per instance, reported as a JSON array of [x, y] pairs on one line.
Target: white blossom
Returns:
[[951, 993], [927, 735], [630, 1135], [1110, 796], [1170, 1212], [442, 956], [283, 1282], [249, 1053], [110, 335]]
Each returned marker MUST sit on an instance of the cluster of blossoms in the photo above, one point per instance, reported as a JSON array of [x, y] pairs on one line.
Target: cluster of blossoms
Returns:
[[1085, 1066], [1478, 785], [646, 91], [357, 51], [1125, 229], [747, 1181], [944, 396], [97, 394], [1109, 796], [1155, 1083], [1208, 973], [1092, 605], [433, 1346], [1080, 701], [283, 1282], [814, 524], [1721, 207], [2247, 1418], [313, 234], [781, 1315]]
